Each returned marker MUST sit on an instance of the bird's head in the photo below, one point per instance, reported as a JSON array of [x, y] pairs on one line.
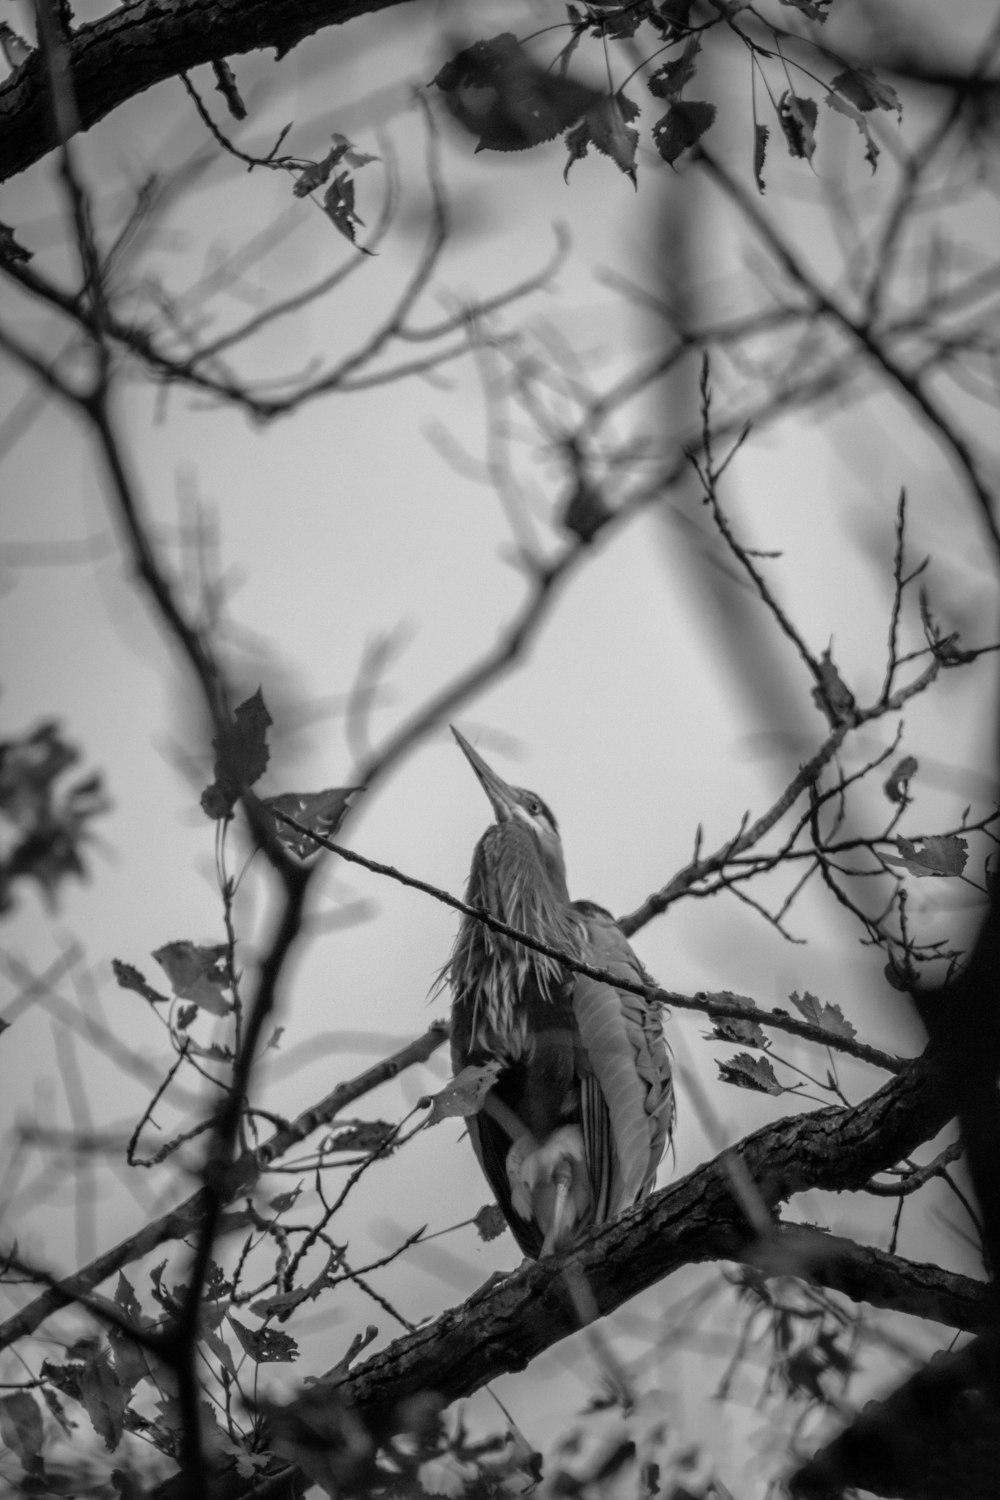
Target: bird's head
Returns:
[[516, 806]]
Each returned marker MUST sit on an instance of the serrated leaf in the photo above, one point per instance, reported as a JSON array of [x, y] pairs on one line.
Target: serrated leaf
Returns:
[[265, 1345], [897, 784], [21, 1427], [605, 127], [320, 812], [464, 1095], [490, 1222], [943, 854], [748, 1072], [197, 973], [761, 135], [797, 117], [821, 1013], [501, 96], [730, 1029], [103, 1397], [683, 125], [241, 757]]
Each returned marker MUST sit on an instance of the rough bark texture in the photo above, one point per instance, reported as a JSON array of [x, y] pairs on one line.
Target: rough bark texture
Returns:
[[144, 43]]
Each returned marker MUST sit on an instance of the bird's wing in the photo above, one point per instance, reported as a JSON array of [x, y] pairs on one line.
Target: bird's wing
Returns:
[[624, 1043]]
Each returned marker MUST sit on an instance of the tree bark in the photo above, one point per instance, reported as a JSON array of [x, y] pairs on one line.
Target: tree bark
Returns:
[[145, 42]]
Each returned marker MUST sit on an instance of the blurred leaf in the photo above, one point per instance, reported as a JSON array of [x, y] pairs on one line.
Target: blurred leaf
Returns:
[[942, 854], [21, 1426], [103, 1396], [830, 1017], [860, 87], [797, 117], [490, 1222], [748, 1072], [682, 127], [320, 812], [241, 757], [464, 1095], [501, 96], [585, 511], [897, 784], [816, 10], [198, 974]]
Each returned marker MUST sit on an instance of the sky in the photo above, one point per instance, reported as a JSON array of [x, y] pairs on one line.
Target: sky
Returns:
[[636, 713]]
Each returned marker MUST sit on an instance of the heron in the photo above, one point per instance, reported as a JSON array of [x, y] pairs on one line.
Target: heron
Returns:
[[573, 1129]]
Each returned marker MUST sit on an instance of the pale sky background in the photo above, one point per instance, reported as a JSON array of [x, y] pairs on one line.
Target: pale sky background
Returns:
[[343, 522]]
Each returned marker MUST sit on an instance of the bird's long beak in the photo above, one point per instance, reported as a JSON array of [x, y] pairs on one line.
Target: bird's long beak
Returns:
[[501, 795]]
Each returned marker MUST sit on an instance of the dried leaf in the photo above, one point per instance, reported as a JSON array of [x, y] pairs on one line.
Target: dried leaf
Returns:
[[130, 978], [748, 1072], [320, 812], [464, 1095], [814, 9], [797, 117], [729, 1029], [241, 757], [938, 854], [897, 784], [265, 1345], [198, 974], [830, 1017], [761, 134], [832, 696], [682, 127], [338, 205], [834, 101], [490, 1222]]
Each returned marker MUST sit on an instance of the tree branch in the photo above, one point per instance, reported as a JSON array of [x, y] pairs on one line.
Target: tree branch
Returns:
[[144, 43]]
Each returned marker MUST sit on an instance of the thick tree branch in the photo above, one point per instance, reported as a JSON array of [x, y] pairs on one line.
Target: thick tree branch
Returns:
[[142, 44]]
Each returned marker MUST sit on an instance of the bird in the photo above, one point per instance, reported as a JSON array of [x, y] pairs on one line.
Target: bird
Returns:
[[575, 1124]]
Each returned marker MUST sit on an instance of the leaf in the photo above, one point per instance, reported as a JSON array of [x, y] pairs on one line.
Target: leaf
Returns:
[[748, 1072], [338, 205], [265, 1345], [814, 9], [831, 695], [866, 92], [604, 127], [464, 1095], [21, 1427], [682, 127], [761, 135], [830, 1017], [669, 79], [103, 1396], [797, 117], [872, 153], [320, 812], [130, 978], [241, 757], [730, 1029], [938, 854], [897, 784], [501, 96], [490, 1222], [198, 974], [585, 512], [317, 173]]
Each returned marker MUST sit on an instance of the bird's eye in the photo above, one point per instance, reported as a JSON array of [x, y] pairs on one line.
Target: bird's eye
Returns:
[[534, 806]]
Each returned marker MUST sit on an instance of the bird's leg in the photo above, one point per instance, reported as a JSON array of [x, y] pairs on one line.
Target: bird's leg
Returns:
[[562, 1181]]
